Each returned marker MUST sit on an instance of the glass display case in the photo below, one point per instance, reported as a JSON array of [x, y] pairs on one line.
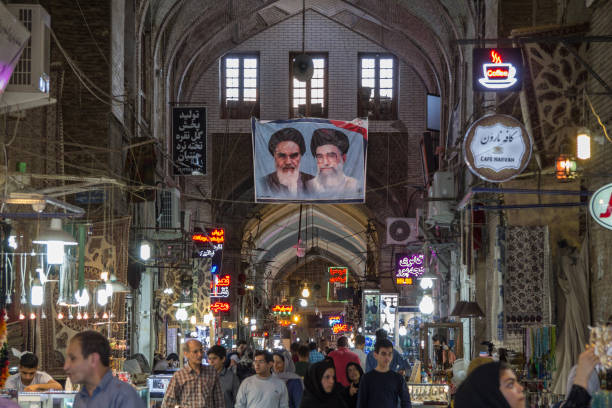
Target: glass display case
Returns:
[[61, 399], [429, 395]]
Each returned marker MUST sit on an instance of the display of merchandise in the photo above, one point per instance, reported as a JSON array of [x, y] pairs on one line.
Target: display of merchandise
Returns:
[[540, 343], [601, 340], [429, 394]]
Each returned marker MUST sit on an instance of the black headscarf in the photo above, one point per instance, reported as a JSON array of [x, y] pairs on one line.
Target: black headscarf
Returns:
[[314, 394], [351, 400], [481, 389], [357, 366]]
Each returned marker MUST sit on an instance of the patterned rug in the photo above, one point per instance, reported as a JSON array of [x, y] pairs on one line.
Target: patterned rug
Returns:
[[526, 293]]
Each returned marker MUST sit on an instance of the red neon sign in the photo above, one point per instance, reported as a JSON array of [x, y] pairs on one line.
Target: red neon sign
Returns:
[[224, 281], [341, 328], [216, 236], [337, 275], [495, 57], [220, 307], [282, 309]]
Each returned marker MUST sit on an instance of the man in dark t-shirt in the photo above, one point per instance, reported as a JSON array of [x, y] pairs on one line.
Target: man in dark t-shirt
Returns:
[[381, 387]]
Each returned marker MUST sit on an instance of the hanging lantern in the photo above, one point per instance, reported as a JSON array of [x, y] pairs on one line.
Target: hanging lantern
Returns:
[[36, 293], [55, 238], [32, 316], [82, 297], [583, 144], [565, 168], [60, 316]]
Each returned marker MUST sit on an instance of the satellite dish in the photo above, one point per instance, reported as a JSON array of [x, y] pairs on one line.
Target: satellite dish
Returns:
[[303, 67]]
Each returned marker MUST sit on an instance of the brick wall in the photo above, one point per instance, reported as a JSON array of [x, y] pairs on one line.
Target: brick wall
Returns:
[[342, 46]]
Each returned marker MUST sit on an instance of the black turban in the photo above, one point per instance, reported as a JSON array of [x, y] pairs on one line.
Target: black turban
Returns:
[[286, 135], [326, 136]]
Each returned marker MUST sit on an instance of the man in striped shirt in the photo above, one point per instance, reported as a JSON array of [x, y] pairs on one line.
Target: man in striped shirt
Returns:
[[194, 385]]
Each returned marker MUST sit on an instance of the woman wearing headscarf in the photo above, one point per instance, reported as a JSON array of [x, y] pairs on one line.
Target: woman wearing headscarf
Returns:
[[353, 374], [320, 387], [293, 381], [491, 385], [494, 385]]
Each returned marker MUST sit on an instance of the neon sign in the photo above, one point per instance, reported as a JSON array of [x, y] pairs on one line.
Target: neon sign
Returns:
[[408, 267], [333, 320], [220, 307], [337, 274], [497, 69], [219, 287], [282, 309], [215, 236], [284, 323], [341, 328]]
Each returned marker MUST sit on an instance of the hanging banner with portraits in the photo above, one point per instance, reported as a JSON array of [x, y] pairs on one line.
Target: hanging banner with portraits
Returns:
[[310, 160]]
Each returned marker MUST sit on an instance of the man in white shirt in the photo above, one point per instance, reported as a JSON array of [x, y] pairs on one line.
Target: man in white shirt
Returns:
[[262, 390], [359, 346], [29, 379]]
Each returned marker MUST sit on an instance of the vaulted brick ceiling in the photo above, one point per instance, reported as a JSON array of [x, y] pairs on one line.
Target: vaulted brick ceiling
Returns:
[[191, 34]]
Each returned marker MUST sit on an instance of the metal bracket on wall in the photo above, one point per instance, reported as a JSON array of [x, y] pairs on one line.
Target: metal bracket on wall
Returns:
[[476, 190]]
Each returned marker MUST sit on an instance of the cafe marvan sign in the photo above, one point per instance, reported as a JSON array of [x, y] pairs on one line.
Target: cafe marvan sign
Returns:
[[497, 148], [600, 206]]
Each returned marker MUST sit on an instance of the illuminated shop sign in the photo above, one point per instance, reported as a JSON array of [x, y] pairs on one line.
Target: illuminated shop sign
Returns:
[[600, 206], [408, 267], [209, 244], [497, 69], [497, 148], [282, 309], [337, 284], [337, 274], [219, 287], [341, 328], [333, 320], [285, 323], [220, 307], [215, 236]]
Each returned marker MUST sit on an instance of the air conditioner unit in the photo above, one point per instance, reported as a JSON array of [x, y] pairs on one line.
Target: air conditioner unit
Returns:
[[31, 73], [401, 230], [170, 214], [442, 191]]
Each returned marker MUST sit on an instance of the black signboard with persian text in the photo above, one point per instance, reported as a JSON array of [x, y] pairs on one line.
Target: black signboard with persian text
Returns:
[[189, 141]]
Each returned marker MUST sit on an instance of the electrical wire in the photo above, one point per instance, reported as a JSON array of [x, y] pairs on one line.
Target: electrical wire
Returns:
[[598, 118]]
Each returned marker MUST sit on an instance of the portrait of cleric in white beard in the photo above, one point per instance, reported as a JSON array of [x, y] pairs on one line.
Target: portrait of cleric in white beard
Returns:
[[287, 147], [329, 148]]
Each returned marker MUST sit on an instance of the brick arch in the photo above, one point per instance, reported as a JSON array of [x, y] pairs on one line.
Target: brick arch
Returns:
[[191, 27]]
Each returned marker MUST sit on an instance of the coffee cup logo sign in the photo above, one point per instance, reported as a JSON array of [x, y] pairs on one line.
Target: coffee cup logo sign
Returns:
[[600, 206], [497, 148], [497, 69]]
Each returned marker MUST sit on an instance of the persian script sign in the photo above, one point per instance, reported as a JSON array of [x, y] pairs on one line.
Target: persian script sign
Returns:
[[497, 148], [600, 206], [189, 141]]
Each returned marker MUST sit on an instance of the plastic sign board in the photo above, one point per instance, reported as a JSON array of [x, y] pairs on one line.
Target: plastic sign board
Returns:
[[497, 69], [497, 148], [337, 274], [600, 206], [337, 280], [220, 307], [408, 267], [189, 141], [219, 287]]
